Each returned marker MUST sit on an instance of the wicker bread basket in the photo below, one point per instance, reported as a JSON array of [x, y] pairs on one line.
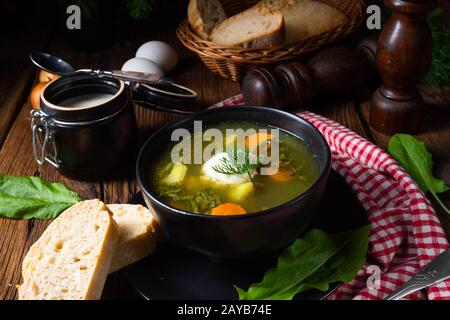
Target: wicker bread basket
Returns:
[[233, 62]]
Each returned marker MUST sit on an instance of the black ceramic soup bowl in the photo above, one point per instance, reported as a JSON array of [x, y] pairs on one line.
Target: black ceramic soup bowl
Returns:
[[242, 236]]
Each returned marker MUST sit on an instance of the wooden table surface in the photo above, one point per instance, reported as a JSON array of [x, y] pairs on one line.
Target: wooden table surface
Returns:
[[17, 76]]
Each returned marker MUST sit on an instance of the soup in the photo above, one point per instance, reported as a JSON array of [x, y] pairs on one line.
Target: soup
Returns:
[[236, 180]]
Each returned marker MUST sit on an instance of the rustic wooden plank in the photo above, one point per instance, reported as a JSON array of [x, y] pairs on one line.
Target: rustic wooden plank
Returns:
[[435, 132], [16, 159], [17, 73], [436, 96], [16, 77]]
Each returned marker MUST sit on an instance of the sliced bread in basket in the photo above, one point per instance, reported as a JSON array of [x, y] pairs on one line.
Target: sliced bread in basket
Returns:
[[204, 15], [305, 18], [258, 27]]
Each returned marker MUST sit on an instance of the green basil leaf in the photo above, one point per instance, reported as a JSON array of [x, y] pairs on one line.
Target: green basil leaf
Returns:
[[314, 261], [32, 197], [416, 159]]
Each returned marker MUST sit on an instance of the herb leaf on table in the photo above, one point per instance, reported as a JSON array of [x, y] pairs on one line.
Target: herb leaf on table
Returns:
[[312, 262], [32, 197], [416, 159]]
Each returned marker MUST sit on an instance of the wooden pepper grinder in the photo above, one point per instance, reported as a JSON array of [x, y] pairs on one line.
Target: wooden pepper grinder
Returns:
[[335, 71], [403, 57]]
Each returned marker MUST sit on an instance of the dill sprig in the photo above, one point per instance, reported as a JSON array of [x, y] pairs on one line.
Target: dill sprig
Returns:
[[237, 161]]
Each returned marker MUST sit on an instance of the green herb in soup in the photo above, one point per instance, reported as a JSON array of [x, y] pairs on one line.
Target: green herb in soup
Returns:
[[230, 164], [232, 182]]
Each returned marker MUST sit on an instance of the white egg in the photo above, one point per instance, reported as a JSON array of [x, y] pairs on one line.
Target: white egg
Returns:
[[142, 65], [160, 53], [220, 178]]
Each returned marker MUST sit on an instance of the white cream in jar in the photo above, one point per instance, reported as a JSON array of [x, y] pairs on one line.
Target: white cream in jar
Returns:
[[86, 100]]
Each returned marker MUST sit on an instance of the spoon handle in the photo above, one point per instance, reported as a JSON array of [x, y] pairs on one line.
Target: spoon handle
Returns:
[[130, 76], [436, 271]]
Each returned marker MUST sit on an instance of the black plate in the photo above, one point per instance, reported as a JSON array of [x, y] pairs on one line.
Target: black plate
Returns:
[[173, 273]]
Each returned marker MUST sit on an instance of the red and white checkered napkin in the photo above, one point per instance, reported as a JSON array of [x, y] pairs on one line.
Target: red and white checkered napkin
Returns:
[[405, 233]]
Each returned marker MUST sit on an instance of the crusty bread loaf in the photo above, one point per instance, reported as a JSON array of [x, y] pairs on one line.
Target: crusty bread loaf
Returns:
[[136, 234], [71, 259], [254, 28], [204, 15], [305, 18]]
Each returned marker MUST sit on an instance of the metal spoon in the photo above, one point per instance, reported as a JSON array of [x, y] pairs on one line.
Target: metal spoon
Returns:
[[58, 66], [436, 271]]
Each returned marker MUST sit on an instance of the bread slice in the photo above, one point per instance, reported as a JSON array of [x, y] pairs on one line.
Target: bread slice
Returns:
[[253, 28], [137, 237], [204, 15], [305, 18], [71, 259]]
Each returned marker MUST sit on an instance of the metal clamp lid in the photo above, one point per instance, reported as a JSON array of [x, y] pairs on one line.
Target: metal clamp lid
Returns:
[[42, 137], [166, 96]]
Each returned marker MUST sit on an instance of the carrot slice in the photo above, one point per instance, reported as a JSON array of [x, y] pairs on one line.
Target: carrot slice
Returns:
[[256, 139], [228, 209], [281, 176]]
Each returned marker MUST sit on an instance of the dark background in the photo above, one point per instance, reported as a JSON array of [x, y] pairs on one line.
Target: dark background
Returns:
[[112, 22], [45, 12]]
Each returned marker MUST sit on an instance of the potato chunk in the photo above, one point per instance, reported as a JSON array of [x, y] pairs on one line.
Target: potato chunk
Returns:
[[176, 175], [241, 192]]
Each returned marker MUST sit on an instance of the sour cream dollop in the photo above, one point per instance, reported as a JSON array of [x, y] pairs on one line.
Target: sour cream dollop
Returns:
[[220, 178]]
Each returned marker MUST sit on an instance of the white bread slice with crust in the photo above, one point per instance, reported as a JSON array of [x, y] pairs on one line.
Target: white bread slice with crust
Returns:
[[305, 18], [137, 238], [257, 27], [71, 259], [204, 15]]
